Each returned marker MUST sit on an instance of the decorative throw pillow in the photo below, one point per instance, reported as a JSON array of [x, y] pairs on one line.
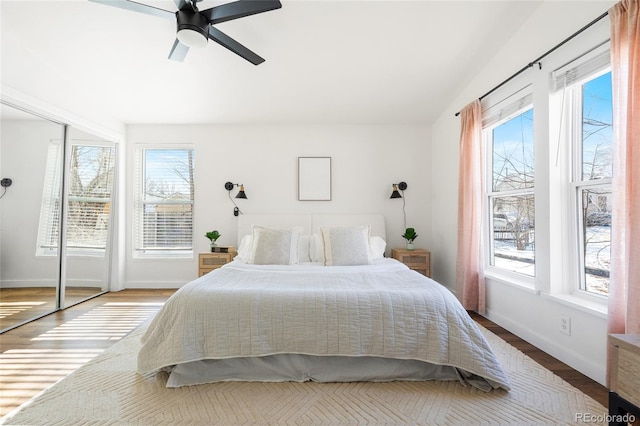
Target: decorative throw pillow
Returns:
[[274, 246], [347, 245]]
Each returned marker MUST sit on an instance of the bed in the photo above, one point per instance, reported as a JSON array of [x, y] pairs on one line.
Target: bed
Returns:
[[312, 297]]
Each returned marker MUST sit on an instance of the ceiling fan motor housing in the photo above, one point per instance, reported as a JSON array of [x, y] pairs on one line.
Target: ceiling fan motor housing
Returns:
[[189, 22]]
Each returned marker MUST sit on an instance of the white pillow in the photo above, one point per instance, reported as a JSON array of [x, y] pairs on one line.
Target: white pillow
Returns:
[[304, 248], [244, 249], [378, 246], [274, 246], [347, 245]]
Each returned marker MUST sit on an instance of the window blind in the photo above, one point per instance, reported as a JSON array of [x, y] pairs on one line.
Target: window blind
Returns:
[[164, 208], [581, 68], [506, 108], [49, 224]]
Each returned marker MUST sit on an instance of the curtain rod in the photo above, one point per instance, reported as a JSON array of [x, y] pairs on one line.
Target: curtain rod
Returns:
[[537, 60]]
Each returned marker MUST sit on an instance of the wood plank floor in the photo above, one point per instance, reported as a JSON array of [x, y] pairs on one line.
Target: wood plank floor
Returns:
[[42, 352]]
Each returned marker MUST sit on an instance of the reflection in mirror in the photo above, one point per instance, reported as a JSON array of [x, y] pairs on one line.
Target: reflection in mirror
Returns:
[[88, 209], [29, 264]]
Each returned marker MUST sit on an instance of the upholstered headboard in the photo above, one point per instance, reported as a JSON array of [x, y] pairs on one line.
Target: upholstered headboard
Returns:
[[310, 223]]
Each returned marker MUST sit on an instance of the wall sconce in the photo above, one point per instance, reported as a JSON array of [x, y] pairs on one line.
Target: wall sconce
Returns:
[[401, 186], [229, 187]]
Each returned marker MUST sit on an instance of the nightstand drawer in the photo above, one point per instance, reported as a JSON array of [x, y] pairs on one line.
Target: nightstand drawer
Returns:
[[215, 259], [414, 259]]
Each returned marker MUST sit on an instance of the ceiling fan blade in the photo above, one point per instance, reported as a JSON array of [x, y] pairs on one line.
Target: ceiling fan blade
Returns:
[[239, 9], [138, 7], [226, 41], [178, 51]]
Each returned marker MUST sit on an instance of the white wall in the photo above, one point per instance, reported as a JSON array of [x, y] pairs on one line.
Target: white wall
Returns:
[[366, 160], [532, 315]]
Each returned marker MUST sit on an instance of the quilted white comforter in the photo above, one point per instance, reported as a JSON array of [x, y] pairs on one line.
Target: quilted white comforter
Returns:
[[382, 310]]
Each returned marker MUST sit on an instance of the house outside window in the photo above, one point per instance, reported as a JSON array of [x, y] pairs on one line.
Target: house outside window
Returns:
[[164, 205]]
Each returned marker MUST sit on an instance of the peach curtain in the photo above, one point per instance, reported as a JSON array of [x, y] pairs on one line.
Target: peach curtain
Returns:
[[624, 290], [469, 276]]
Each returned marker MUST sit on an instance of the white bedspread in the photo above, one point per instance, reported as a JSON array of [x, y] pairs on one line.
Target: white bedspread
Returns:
[[383, 310]]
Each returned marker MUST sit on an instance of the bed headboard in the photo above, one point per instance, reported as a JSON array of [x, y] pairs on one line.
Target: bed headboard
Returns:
[[310, 223]]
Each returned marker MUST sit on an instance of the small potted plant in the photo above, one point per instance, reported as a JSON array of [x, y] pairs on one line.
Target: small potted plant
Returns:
[[410, 235], [213, 236]]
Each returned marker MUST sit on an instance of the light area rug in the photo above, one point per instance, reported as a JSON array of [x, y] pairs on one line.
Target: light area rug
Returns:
[[107, 390]]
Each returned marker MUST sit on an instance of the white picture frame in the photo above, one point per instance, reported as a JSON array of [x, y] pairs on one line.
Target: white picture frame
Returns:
[[314, 178]]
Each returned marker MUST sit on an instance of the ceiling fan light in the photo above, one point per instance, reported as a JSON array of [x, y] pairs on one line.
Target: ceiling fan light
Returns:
[[192, 38]]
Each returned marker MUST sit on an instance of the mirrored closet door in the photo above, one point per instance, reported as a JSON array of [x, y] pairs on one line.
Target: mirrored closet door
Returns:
[[29, 260], [55, 215]]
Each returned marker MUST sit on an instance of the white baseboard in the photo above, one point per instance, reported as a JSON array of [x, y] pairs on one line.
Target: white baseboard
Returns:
[[575, 360]]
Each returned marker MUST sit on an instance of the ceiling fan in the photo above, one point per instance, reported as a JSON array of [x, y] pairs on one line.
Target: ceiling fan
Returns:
[[196, 27]]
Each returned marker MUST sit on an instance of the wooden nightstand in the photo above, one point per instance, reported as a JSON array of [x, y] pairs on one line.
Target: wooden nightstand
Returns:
[[207, 262], [419, 259], [624, 365]]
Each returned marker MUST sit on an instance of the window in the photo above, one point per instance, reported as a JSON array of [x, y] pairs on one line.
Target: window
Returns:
[[508, 137], [91, 173], [164, 208], [592, 115]]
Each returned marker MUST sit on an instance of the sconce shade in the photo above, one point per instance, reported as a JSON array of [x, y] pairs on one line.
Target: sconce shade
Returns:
[[241, 193], [395, 193]]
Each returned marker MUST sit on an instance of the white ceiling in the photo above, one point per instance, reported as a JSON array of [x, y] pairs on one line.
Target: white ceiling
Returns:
[[340, 62]]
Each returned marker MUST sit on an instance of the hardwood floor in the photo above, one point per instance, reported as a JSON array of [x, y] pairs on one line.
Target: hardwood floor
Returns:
[[42, 352]]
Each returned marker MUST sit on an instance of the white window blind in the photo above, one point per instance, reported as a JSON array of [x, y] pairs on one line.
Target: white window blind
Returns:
[[164, 208], [582, 68], [49, 224], [493, 113]]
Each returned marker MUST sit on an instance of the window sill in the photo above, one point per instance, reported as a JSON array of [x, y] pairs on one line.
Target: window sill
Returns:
[[521, 282], [580, 303]]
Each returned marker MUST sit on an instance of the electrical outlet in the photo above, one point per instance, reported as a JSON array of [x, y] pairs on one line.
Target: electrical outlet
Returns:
[[565, 324]]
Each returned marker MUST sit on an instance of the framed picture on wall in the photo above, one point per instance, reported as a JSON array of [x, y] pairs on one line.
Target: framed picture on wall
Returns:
[[314, 178]]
